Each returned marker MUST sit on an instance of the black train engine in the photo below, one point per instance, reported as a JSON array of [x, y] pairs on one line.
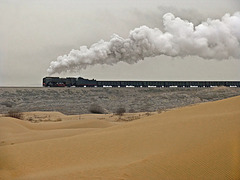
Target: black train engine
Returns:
[[69, 81]]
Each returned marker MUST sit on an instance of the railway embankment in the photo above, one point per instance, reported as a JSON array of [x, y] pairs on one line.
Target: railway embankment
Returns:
[[78, 100]]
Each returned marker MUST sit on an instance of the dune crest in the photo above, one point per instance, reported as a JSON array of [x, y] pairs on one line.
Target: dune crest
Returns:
[[194, 142]]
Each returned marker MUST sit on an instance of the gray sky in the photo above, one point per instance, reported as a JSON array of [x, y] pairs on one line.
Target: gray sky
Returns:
[[33, 33]]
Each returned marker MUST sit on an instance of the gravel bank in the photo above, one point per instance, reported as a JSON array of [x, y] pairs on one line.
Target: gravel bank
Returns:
[[78, 100]]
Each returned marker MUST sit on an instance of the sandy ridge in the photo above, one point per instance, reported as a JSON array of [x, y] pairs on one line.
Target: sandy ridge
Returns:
[[196, 142]]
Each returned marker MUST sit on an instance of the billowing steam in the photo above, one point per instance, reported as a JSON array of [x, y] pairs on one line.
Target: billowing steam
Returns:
[[213, 39]]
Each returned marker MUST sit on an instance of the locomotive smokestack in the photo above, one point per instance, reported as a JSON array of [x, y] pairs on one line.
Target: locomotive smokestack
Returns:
[[213, 39]]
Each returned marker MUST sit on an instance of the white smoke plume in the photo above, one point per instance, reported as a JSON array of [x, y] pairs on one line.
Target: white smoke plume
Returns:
[[213, 39]]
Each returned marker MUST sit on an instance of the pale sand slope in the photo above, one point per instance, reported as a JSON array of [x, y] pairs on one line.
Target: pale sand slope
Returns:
[[195, 142], [14, 131]]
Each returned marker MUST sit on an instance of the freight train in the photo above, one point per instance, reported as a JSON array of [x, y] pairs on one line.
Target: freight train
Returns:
[[81, 82]]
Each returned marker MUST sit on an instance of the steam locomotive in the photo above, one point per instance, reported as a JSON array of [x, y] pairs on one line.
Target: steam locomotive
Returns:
[[81, 82]]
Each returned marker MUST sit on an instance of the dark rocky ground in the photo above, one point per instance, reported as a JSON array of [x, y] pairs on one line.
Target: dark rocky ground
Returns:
[[78, 100]]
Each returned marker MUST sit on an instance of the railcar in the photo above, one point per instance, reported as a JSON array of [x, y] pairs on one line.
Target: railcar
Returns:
[[82, 82]]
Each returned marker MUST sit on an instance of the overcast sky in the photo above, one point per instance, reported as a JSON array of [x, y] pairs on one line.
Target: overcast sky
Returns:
[[33, 33]]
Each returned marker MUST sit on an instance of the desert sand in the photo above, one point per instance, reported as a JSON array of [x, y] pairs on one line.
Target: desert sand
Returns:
[[195, 142]]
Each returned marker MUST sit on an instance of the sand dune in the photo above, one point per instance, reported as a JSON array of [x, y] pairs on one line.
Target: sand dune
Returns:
[[195, 142]]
